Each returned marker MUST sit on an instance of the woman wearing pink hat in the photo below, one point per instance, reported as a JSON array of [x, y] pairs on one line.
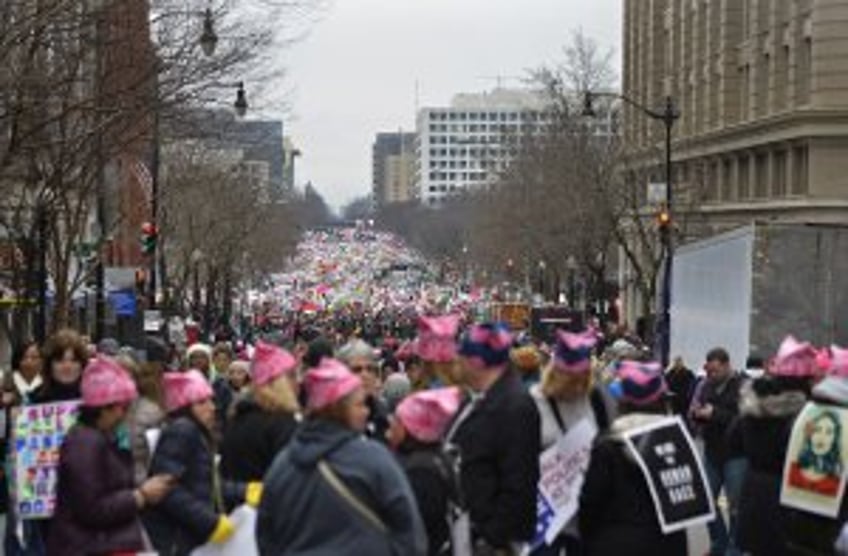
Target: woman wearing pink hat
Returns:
[[265, 419], [767, 409], [194, 513], [416, 433], [98, 506], [331, 491]]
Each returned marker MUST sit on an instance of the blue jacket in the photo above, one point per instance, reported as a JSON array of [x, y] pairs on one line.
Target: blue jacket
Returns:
[[187, 516], [301, 515]]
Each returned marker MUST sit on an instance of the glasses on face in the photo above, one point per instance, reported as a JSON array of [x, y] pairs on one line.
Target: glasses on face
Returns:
[[359, 369]]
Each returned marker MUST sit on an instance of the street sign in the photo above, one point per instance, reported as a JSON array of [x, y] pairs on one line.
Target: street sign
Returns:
[[153, 321], [657, 193]]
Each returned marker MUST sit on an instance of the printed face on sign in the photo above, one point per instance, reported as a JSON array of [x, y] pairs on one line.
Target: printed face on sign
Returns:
[[818, 464]]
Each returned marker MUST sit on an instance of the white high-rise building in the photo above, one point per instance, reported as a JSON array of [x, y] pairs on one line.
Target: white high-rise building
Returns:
[[462, 146]]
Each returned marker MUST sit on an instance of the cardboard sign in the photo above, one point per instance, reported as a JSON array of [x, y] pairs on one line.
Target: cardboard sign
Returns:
[[674, 473], [814, 472], [37, 437], [562, 469]]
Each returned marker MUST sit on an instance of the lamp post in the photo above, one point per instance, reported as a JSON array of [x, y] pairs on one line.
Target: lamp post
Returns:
[[542, 267], [571, 266], [667, 115]]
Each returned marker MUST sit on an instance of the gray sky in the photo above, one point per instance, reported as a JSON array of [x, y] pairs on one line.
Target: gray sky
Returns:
[[355, 73]]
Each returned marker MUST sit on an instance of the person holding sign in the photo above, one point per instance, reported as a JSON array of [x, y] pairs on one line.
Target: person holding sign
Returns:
[[617, 512], [768, 408], [565, 398], [817, 473], [98, 506], [194, 513]]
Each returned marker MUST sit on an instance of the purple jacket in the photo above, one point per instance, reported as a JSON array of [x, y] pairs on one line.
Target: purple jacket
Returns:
[[96, 512]]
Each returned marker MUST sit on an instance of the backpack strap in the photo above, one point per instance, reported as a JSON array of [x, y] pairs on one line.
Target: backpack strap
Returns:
[[557, 415], [599, 408], [353, 501]]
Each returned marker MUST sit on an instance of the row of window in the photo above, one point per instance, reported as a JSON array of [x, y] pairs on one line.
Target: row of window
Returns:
[[528, 115], [462, 164], [482, 128], [473, 176], [474, 152]]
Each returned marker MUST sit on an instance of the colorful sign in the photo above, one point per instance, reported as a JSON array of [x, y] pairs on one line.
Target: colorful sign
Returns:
[[562, 469], [674, 473], [37, 436], [814, 473]]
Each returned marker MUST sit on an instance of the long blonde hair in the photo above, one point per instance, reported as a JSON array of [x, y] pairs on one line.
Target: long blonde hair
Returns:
[[277, 397], [565, 386]]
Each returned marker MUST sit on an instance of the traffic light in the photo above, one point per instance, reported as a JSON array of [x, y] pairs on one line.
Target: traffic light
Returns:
[[664, 220], [149, 235]]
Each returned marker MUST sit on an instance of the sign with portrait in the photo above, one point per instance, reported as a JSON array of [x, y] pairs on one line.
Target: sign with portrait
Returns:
[[814, 472], [675, 475], [37, 437]]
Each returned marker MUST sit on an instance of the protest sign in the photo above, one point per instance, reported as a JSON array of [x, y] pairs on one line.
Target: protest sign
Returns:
[[243, 541], [672, 468], [38, 433], [562, 469], [814, 472]]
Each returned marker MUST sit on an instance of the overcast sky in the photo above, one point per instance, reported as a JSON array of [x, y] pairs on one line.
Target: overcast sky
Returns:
[[355, 73]]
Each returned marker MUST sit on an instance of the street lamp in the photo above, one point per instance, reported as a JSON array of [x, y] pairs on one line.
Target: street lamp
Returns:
[[668, 115], [208, 39], [571, 266], [542, 267]]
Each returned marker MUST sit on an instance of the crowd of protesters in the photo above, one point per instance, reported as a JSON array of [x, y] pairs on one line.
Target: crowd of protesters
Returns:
[[425, 447]]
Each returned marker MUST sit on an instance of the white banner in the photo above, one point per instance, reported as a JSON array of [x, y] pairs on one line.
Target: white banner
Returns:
[[242, 543]]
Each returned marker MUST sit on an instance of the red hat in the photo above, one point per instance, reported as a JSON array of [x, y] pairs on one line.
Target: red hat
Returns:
[[329, 382], [795, 359], [184, 389], [270, 362], [425, 415], [104, 382], [437, 338]]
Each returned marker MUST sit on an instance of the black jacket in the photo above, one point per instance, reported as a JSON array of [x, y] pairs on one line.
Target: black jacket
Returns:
[[378, 419], [252, 441], [764, 428], [724, 397], [499, 446], [681, 383], [617, 514], [188, 515], [432, 483]]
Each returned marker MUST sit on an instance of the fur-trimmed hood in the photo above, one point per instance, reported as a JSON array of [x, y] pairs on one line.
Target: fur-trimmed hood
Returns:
[[631, 421], [782, 404]]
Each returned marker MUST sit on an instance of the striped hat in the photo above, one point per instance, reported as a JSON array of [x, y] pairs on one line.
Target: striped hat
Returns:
[[640, 383], [573, 352], [487, 346]]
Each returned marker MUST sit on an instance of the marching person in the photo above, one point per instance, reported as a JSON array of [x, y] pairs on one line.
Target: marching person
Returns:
[[495, 432], [65, 356], [26, 375], [807, 533], [200, 357], [361, 359], [265, 420], [768, 409], [715, 407], [617, 513], [97, 505], [528, 362], [194, 512], [332, 492], [436, 349], [415, 434], [564, 398]]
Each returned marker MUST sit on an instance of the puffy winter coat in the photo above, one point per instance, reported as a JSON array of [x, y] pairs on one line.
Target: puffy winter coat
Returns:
[[252, 441], [765, 425], [301, 514], [187, 516], [433, 483], [499, 445], [617, 514], [96, 510]]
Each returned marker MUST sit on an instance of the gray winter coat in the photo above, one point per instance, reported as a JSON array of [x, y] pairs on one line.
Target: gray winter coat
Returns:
[[302, 515]]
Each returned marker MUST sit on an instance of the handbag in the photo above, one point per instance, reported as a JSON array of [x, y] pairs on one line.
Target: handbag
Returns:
[[336, 483]]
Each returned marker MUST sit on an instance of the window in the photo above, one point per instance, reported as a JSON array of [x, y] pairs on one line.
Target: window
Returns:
[[762, 170], [727, 180], [744, 174], [779, 174], [800, 170]]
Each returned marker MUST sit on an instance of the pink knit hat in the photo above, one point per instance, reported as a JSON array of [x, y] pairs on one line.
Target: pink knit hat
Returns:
[[795, 359], [425, 415], [184, 389], [104, 382], [437, 338], [838, 361], [329, 382], [573, 352], [641, 383], [270, 362]]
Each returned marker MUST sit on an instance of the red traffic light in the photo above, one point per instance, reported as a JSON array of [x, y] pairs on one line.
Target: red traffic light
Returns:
[[148, 229]]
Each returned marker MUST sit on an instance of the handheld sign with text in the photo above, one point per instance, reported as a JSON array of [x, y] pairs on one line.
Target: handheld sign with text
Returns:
[[38, 434], [674, 473], [562, 469], [814, 472]]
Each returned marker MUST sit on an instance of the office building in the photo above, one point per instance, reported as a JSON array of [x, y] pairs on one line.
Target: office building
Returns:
[[393, 168], [762, 86]]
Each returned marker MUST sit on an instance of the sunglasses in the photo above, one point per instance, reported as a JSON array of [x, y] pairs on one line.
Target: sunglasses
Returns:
[[359, 369]]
